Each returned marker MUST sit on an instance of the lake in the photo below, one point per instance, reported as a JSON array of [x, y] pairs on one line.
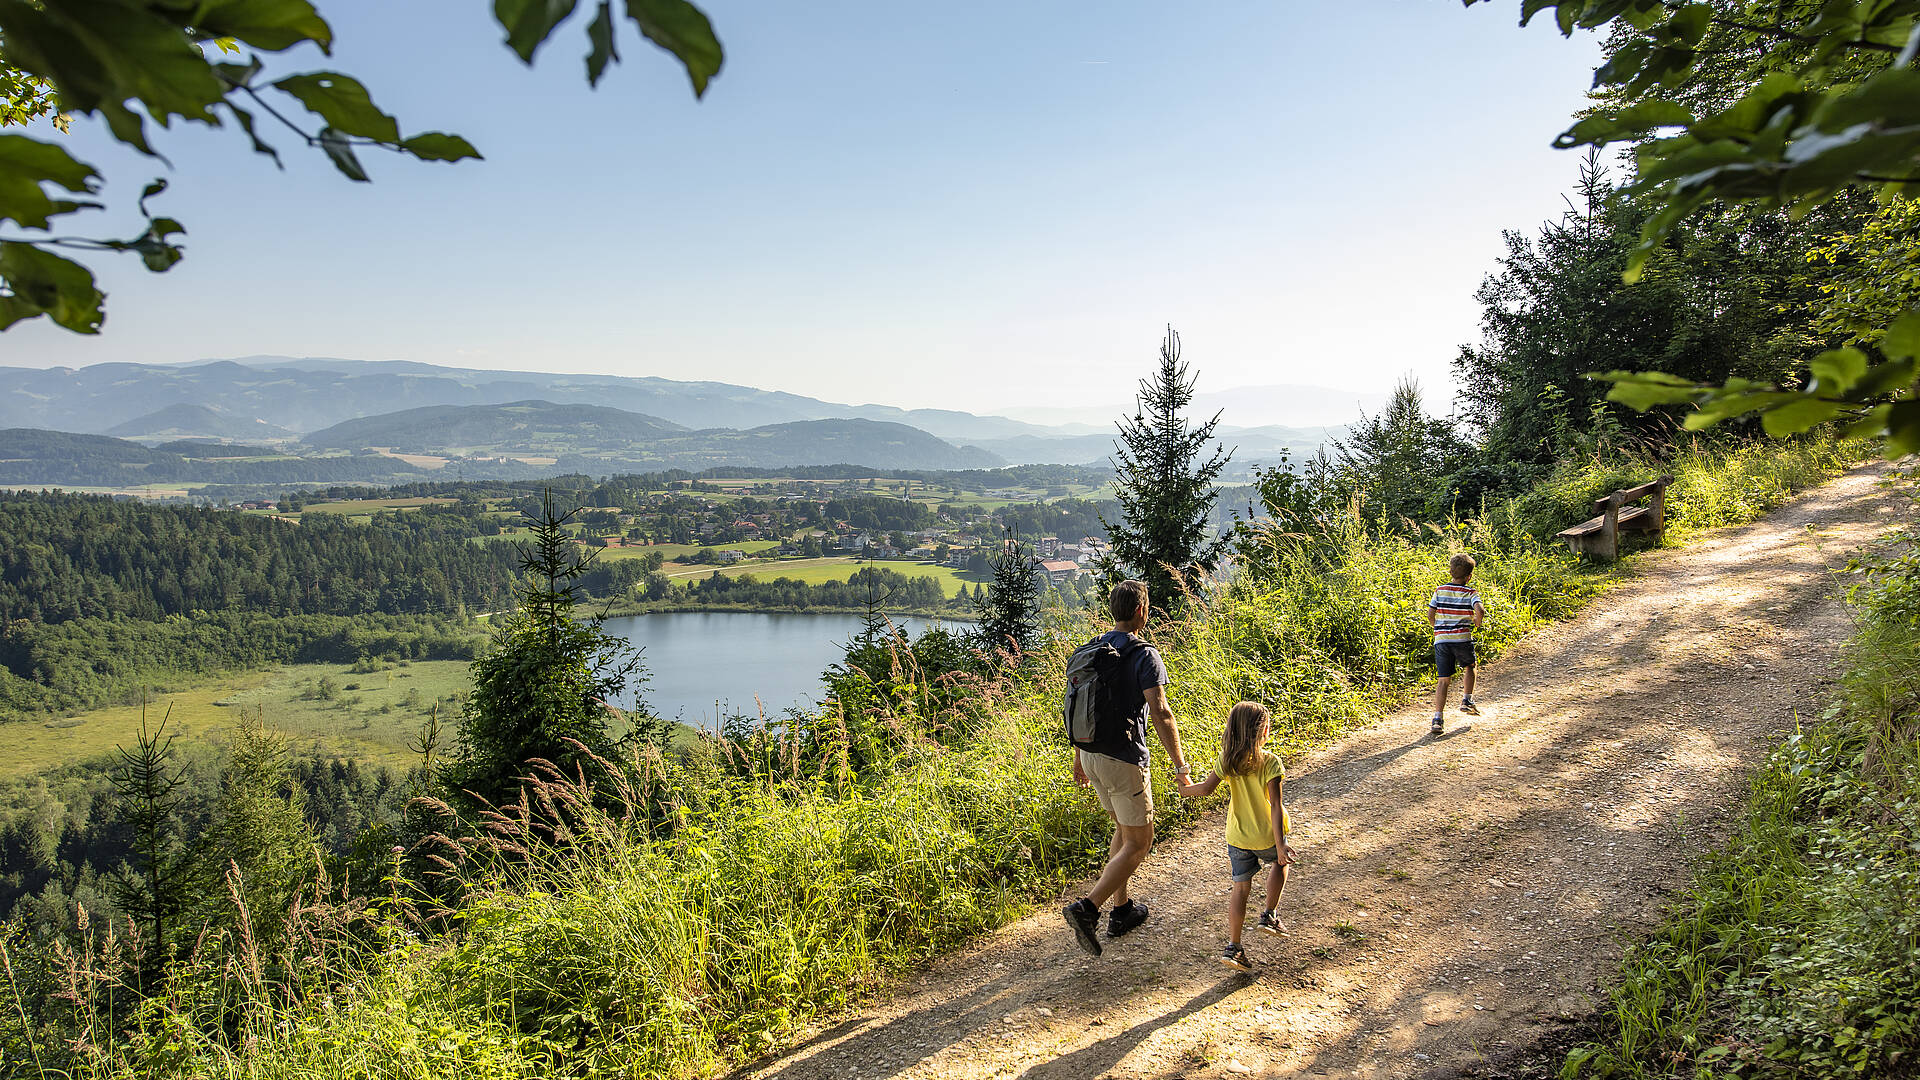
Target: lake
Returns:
[[695, 659]]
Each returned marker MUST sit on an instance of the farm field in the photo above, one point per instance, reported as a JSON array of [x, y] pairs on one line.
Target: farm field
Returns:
[[932, 494], [368, 507], [817, 571], [670, 552], [142, 491]]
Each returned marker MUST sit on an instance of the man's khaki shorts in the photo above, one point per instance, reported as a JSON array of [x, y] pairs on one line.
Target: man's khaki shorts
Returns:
[[1122, 788]]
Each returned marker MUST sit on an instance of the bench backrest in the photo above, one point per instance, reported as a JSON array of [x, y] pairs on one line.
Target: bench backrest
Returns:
[[1633, 494]]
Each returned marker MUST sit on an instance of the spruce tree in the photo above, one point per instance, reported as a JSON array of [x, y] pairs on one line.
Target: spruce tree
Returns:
[[260, 830], [544, 684], [1397, 460], [1164, 484], [156, 885], [1010, 609]]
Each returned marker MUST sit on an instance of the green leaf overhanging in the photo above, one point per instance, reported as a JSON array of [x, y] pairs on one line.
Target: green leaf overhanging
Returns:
[[26, 166], [683, 30]]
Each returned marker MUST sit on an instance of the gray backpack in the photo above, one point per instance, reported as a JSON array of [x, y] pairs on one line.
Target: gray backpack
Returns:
[[1096, 683]]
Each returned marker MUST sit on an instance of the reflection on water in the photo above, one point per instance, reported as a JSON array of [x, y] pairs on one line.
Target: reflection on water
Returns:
[[706, 664]]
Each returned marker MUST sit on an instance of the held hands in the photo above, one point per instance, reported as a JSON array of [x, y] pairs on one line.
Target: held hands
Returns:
[[1185, 784]]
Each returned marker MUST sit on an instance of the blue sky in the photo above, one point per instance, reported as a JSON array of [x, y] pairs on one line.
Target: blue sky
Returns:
[[967, 206]]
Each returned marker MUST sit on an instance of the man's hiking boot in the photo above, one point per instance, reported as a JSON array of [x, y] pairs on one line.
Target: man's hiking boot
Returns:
[[1467, 706], [1084, 918], [1236, 957], [1439, 726], [1271, 924], [1123, 919]]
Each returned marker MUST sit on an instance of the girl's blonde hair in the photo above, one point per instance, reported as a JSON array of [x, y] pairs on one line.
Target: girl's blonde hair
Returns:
[[1240, 743]]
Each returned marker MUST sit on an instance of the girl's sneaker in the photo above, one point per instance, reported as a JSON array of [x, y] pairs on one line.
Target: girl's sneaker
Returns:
[[1236, 957], [1271, 924]]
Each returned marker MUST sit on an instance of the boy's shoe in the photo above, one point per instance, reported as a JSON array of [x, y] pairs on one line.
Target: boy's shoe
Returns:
[[1271, 924], [1084, 918], [1439, 726], [1125, 918], [1467, 706], [1236, 957]]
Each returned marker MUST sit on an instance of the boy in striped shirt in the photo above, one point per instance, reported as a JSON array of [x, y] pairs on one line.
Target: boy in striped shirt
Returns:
[[1454, 612]]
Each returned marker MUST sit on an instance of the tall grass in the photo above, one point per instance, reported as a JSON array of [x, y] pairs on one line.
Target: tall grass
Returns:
[[668, 918]]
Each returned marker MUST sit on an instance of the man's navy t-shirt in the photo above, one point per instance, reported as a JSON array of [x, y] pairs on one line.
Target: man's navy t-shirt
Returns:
[[1127, 740]]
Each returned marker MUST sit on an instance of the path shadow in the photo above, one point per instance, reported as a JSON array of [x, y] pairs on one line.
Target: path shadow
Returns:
[[939, 1027], [1097, 1058], [1352, 770], [844, 1027]]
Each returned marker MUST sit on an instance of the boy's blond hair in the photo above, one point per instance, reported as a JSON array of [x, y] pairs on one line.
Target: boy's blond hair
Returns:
[[1460, 566]]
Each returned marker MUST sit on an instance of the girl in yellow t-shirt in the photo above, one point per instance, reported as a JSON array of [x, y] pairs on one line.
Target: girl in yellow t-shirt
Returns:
[[1257, 824]]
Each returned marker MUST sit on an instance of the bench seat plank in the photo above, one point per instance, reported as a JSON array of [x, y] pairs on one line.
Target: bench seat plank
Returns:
[[1628, 515]]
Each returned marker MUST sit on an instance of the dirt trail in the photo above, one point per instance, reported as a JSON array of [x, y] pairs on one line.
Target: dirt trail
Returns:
[[1457, 901]]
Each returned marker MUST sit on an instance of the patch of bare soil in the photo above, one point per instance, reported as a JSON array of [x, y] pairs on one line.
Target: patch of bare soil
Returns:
[[1458, 902]]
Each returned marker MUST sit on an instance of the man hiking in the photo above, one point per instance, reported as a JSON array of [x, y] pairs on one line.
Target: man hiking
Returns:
[[1114, 763]]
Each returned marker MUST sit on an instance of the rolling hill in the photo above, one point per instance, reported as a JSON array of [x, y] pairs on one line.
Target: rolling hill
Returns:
[[529, 427], [183, 420]]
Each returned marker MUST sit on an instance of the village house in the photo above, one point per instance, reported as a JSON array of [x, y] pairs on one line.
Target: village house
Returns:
[[1092, 549], [1060, 571]]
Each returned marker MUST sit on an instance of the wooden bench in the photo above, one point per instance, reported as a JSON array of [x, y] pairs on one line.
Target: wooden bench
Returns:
[[1600, 537]]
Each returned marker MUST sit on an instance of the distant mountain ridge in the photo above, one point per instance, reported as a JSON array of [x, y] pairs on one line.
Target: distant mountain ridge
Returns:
[[615, 440], [521, 440], [311, 394]]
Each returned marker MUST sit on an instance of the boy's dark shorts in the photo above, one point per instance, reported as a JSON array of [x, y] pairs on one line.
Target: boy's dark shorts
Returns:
[[1450, 654]]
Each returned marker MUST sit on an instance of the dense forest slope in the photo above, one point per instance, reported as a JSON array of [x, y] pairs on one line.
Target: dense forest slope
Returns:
[[69, 556], [31, 457]]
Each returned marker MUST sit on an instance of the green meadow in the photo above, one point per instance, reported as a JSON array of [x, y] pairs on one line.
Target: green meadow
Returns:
[[328, 710]]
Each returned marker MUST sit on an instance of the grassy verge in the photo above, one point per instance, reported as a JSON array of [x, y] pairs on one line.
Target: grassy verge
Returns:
[[1797, 950], [726, 899]]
